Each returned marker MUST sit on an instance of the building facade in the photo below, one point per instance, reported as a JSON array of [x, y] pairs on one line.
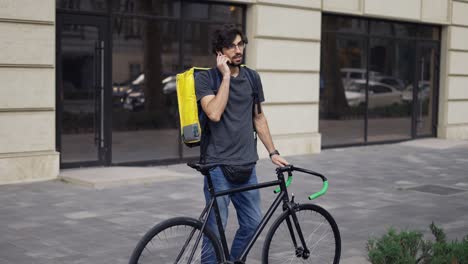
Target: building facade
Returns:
[[91, 82]]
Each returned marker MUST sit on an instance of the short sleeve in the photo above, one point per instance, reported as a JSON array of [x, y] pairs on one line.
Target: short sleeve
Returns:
[[203, 85]]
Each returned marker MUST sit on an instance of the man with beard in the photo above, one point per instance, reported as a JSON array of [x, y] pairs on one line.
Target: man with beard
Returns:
[[231, 143]]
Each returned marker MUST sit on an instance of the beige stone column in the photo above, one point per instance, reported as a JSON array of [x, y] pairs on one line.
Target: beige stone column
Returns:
[[27, 92], [284, 47], [453, 103]]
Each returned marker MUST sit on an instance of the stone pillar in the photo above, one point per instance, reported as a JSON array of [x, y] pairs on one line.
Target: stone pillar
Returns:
[[27, 95], [284, 47], [453, 103]]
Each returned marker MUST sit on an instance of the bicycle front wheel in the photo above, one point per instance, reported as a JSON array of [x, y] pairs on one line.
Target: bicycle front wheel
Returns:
[[320, 233], [173, 241]]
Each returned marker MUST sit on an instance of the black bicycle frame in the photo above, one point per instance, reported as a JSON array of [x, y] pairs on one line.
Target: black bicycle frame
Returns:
[[282, 196]]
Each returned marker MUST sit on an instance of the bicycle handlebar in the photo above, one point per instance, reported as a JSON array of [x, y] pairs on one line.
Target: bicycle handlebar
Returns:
[[290, 168]]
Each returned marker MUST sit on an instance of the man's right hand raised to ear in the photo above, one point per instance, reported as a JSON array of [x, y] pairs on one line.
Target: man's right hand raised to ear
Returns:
[[222, 64], [214, 105]]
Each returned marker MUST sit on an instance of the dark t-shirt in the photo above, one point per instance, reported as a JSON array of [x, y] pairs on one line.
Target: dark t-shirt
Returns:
[[232, 139]]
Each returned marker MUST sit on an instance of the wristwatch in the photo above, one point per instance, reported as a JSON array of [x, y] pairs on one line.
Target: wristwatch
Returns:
[[274, 152]]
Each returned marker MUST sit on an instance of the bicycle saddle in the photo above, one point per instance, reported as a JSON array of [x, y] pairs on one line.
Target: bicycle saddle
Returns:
[[203, 168]]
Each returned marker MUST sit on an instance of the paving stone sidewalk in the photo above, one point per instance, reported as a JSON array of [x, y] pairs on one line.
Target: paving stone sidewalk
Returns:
[[406, 185]]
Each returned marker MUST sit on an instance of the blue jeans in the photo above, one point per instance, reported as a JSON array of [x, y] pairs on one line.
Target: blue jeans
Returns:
[[248, 210]]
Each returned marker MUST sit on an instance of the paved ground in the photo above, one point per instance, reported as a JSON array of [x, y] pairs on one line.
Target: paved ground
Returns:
[[57, 222]]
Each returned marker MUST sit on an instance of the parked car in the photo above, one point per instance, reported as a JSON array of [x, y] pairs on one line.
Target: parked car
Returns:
[[134, 99], [349, 75], [169, 84], [395, 82], [423, 92], [380, 94]]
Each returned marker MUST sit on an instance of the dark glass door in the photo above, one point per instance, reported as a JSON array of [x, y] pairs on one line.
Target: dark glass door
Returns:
[[426, 83], [389, 115], [80, 89], [342, 90]]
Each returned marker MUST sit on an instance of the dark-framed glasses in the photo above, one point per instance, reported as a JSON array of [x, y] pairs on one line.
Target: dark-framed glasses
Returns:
[[241, 45]]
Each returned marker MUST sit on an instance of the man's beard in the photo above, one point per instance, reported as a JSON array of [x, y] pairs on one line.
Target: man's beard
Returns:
[[236, 63]]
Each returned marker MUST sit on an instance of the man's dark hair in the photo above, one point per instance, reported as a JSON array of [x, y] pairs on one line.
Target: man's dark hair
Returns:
[[224, 37]]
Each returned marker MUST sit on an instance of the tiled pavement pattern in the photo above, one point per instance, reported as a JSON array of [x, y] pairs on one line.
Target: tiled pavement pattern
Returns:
[[55, 222]]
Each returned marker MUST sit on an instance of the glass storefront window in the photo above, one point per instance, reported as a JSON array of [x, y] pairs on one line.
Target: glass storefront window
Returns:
[[229, 14], [378, 98], [405, 30], [344, 25], [82, 5], [427, 81], [389, 116], [164, 8], [151, 43], [145, 58], [429, 32], [341, 99], [381, 28]]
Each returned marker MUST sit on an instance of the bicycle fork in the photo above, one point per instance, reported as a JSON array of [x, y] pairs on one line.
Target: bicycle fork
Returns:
[[303, 251]]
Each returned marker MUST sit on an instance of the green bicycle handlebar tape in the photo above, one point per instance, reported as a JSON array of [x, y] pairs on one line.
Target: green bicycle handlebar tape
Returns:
[[288, 182], [321, 192]]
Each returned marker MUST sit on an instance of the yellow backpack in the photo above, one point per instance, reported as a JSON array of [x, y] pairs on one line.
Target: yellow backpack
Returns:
[[192, 118]]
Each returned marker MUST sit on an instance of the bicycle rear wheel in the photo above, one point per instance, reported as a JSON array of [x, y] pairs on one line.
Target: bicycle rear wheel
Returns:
[[173, 240], [320, 233]]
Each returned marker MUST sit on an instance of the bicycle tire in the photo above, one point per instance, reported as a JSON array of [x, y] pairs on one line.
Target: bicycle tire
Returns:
[[163, 244], [317, 224]]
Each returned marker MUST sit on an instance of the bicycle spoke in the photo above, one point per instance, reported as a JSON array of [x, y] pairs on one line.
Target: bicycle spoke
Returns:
[[174, 245], [318, 236]]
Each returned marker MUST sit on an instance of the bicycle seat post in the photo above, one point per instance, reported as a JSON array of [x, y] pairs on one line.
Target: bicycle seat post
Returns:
[[210, 184]]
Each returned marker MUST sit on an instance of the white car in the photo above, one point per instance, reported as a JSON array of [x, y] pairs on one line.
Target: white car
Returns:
[[395, 82], [349, 75], [380, 94], [423, 92]]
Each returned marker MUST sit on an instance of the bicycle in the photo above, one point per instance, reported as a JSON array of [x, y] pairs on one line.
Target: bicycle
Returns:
[[303, 233]]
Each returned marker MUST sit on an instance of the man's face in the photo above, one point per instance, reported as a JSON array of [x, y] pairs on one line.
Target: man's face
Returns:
[[235, 51]]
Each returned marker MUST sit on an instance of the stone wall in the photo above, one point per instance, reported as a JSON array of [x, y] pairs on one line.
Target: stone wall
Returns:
[[27, 95]]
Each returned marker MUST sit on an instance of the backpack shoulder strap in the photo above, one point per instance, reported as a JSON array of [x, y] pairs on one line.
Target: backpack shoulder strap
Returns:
[[215, 83], [254, 84], [215, 79]]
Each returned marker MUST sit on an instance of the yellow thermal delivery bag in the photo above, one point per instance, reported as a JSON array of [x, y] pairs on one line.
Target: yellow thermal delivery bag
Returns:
[[192, 119], [190, 127]]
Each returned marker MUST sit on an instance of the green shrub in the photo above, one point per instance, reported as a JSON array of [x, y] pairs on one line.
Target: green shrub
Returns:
[[395, 247], [409, 247]]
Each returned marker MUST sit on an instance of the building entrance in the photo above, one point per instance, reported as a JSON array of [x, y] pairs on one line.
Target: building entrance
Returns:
[[378, 81], [116, 68], [81, 90]]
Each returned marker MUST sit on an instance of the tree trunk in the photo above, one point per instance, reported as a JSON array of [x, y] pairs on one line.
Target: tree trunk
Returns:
[[154, 98], [336, 104]]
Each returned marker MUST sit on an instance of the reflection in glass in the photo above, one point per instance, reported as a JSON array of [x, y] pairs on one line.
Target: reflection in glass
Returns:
[[344, 24], [167, 8], [382, 92], [82, 5], [145, 58], [405, 30], [429, 32], [381, 28], [425, 90], [226, 14], [342, 103], [389, 115], [79, 94]]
